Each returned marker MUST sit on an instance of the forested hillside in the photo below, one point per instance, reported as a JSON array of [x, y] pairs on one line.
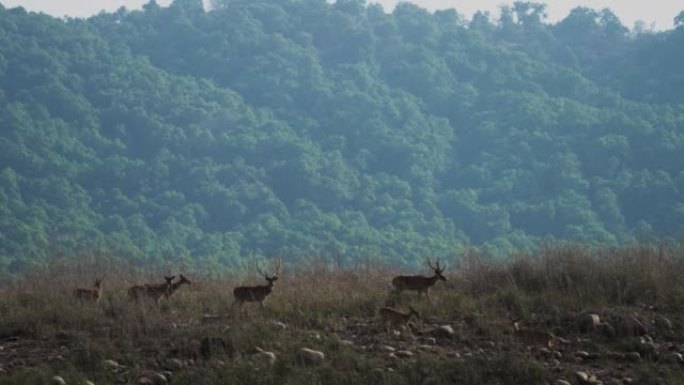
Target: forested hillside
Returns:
[[301, 127]]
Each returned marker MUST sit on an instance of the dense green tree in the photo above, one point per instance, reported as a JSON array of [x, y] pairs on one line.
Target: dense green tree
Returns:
[[310, 128]]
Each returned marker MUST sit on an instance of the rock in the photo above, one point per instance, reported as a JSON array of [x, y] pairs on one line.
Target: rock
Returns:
[[144, 381], [174, 364], [431, 341], [404, 353], [582, 354], [587, 322], [347, 342], [675, 358], [264, 356], [57, 380], [279, 325], [662, 322], [443, 331], [632, 356], [582, 377], [87, 382], [308, 356], [648, 349], [156, 377], [168, 374], [111, 364], [385, 349], [561, 382]]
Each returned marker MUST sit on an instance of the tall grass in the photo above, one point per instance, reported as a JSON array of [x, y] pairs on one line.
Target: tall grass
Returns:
[[321, 305]]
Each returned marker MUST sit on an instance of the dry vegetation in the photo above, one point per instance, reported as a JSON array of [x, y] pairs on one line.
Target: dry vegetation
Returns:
[[464, 334]]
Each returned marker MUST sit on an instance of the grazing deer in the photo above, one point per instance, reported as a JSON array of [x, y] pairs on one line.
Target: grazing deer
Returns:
[[90, 294], [176, 285], [256, 293], [532, 337], [152, 291], [419, 283], [393, 318]]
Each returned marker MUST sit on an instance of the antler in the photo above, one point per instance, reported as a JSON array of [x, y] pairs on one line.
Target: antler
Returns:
[[261, 272], [277, 272], [438, 268]]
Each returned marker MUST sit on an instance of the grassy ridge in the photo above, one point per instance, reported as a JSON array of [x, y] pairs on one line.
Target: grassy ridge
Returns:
[[44, 331]]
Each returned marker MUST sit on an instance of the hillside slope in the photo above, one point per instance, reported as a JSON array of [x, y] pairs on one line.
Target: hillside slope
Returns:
[[302, 127]]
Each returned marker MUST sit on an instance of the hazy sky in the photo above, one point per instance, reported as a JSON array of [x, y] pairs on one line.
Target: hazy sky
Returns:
[[660, 12]]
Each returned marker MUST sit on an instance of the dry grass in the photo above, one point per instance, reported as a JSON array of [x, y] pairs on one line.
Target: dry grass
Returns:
[[321, 306]]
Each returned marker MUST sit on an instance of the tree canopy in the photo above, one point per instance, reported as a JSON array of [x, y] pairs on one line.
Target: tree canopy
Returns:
[[301, 127]]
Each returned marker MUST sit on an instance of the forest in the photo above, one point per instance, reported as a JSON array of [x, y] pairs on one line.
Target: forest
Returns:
[[209, 136]]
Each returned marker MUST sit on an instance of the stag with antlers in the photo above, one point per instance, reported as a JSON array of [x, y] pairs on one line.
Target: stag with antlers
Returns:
[[419, 283], [258, 293]]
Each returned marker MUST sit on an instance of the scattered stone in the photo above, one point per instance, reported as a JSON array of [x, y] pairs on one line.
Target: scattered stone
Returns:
[[675, 358], [111, 364], [88, 382], [633, 356], [174, 364], [443, 331], [561, 382], [264, 356], [404, 353], [582, 377], [347, 342], [587, 322], [662, 322], [168, 374], [144, 381], [308, 356], [431, 341], [582, 354], [156, 377], [648, 349], [57, 380], [279, 325], [385, 349]]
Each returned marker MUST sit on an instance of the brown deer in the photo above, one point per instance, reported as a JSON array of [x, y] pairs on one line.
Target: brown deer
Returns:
[[176, 285], [90, 294], [151, 291], [258, 293], [419, 283], [392, 317], [532, 337]]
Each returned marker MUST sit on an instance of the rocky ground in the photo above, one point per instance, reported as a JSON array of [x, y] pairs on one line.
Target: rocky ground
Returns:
[[324, 328]]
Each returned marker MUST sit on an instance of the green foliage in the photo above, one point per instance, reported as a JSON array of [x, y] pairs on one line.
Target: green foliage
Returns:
[[304, 127]]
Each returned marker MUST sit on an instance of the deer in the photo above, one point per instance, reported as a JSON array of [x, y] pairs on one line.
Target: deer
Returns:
[[176, 285], [532, 337], [90, 294], [419, 283], [152, 291], [258, 293], [393, 318]]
